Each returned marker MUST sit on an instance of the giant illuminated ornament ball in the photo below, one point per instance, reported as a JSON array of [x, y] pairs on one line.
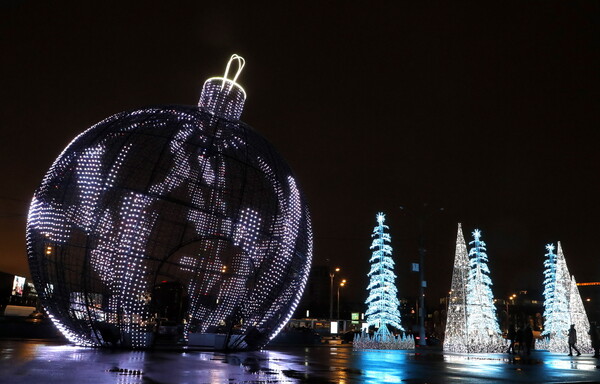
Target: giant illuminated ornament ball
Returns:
[[174, 216]]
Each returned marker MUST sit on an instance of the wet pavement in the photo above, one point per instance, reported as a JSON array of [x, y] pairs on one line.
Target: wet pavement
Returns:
[[42, 362]]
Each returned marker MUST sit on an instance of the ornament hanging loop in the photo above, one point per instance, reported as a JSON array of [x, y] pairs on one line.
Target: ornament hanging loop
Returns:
[[240, 62]]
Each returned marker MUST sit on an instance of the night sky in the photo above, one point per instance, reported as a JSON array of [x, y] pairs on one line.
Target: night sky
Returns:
[[489, 111]]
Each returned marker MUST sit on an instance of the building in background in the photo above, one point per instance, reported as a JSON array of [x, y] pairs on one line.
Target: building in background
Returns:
[[16, 291]]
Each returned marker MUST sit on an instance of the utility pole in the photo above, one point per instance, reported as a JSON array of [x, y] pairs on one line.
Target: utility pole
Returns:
[[422, 284], [421, 217], [331, 276]]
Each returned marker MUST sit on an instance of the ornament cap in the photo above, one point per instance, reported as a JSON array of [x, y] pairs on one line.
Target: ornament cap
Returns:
[[222, 95]]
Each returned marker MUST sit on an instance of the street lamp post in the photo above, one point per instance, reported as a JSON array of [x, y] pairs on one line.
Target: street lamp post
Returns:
[[331, 276], [338, 297]]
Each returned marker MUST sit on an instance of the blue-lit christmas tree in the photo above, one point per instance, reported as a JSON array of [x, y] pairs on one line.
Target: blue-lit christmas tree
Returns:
[[482, 325], [383, 295], [562, 305], [558, 319], [549, 287]]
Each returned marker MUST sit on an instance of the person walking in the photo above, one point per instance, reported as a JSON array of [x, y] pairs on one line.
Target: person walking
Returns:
[[519, 339], [528, 339], [510, 335], [573, 341]]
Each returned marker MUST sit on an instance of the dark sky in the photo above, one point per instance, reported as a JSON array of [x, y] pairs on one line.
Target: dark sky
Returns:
[[488, 110]]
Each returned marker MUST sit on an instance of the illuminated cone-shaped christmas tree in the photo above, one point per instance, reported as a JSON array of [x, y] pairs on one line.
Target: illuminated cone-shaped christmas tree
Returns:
[[482, 325], [579, 318], [455, 339], [383, 294]]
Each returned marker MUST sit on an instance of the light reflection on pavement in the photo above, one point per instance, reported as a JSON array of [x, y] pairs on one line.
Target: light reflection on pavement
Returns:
[[40, 362]]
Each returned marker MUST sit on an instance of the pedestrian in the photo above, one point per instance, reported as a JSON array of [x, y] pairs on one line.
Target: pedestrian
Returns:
[[595, 336], [519, 340], [528, 339], [573, 341], [510, 335]]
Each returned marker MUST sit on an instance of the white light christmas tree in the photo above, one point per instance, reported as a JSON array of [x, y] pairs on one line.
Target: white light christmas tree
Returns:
[[482, 325], [580, 319], [383, 295], [455, 339]]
